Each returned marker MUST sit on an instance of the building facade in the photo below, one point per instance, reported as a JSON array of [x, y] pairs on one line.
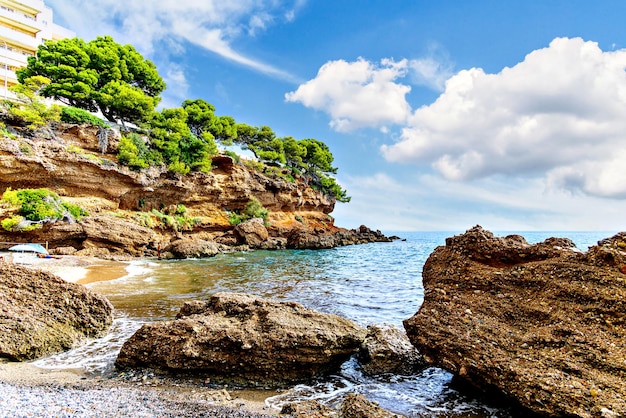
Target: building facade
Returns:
[[24, 25]]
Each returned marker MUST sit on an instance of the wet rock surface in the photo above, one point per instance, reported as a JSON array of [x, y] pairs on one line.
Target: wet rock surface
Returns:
[[387, 350], [40, 314], [245, 340], [353, 406], [545, 324], [357, 406]]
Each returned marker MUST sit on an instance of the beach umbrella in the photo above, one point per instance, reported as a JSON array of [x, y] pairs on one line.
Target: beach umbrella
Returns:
[[31, 248]]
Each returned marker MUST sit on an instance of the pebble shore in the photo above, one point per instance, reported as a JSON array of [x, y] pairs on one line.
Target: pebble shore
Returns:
[[27, 391], [50, 400]]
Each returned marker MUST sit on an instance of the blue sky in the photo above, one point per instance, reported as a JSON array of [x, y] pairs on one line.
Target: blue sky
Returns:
[[440, 114]]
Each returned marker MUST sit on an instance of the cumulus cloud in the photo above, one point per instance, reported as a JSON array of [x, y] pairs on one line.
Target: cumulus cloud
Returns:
[[357, 94], [433, 69], [164, 26], [558, 114]]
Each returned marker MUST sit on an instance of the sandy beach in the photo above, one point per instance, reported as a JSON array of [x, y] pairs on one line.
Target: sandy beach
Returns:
[[28, 390]]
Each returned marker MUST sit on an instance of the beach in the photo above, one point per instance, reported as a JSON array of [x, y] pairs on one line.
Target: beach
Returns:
[[27, 390]]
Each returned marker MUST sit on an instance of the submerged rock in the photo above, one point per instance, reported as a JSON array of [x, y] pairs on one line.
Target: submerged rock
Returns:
[[40, 314], [245, 340], [544, 324]]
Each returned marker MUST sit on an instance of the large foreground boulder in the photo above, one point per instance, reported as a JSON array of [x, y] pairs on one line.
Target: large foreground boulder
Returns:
[[40, 314], [544, 324], [246, 340]]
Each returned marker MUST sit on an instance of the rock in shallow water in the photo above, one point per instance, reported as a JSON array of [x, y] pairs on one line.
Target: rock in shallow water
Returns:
[[387, 350], [40, 314], [246, 340], [544, 324]]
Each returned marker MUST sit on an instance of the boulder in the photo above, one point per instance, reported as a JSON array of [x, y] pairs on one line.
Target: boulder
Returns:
[[40, 314], [544, 324], [246, 340], [387, 349], [193, 248], [353, 406], [308, 409], [301, 238], [252, 233], [357, 406]]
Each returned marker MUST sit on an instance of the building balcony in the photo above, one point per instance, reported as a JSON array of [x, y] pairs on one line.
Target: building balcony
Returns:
[[18, 19], [12, 36], [12, 58], [32, 6], [7, 77]]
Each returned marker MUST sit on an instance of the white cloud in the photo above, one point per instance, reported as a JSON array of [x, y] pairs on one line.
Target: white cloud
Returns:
[[558, 115], [161, 27], [357, 94], [433, 69], [429, 202]]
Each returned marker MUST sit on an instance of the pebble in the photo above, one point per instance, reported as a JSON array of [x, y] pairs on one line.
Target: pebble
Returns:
[[48, 400]]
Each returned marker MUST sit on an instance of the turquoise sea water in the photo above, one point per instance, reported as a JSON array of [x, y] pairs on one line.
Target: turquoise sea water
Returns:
[[372, 283]]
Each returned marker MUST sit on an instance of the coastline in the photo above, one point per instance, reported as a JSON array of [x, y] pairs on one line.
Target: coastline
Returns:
[[113, 393]]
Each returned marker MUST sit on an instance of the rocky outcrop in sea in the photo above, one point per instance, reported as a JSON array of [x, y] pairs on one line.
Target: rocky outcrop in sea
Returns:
[[245, 340], [543, 324], [40, 314]]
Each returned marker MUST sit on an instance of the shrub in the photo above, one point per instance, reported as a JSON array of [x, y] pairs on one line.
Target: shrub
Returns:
[[41, 205], [29, 106], [234, 156], [179, 167], [11, 224], [26, 149], [144, 219], [78, 116], [128, 154], [234, 218], [253, 209]]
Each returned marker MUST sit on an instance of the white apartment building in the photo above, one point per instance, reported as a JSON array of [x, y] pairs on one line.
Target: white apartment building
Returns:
[[24, 25]]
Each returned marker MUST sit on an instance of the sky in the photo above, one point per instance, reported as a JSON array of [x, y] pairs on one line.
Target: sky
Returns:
[[441, 115]]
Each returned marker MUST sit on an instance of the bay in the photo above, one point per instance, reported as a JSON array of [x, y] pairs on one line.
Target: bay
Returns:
[[370, 284]]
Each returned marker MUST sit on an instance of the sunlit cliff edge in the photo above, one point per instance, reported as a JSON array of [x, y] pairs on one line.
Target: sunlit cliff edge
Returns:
[[70, 161]]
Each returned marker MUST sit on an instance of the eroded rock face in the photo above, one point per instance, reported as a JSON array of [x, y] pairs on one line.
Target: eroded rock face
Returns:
[[73, 162], [545, 324], [40, 314], [387, 349], [245, 340]]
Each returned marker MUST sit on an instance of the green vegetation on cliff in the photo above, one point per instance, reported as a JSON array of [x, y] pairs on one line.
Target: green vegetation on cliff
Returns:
[[32, 207], [117, 81]]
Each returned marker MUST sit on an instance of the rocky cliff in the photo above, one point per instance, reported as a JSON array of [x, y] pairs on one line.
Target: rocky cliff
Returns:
[[545, 324], [71, 161]]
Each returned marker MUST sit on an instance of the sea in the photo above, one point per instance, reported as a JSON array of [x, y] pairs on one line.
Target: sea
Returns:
[[378, 283]]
